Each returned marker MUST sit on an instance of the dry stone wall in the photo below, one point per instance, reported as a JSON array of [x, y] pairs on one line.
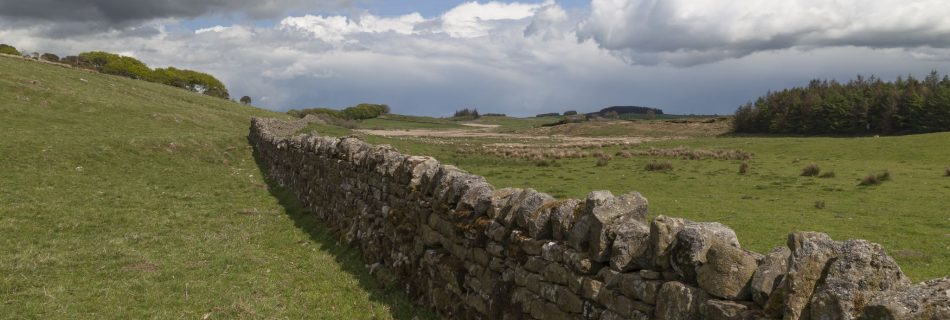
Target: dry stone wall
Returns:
[[469, 251]]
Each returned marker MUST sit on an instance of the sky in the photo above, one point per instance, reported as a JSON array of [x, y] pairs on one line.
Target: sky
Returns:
[[432, 57]]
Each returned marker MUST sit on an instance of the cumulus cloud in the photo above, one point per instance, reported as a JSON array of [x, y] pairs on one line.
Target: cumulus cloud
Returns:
[[473, 19], [687, 32], [337, 28]]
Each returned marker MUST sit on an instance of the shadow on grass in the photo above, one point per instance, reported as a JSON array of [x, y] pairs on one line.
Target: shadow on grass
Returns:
[[349, 258]]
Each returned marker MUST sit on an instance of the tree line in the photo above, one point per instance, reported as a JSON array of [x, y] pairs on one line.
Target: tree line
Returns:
[[860, 106], [114, 64]]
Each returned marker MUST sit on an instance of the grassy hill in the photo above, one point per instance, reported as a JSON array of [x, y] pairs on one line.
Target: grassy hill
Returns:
[[127, 199]]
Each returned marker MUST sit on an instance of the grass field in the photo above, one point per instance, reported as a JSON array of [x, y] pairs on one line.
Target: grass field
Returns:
[[909, 215], [126, 199]]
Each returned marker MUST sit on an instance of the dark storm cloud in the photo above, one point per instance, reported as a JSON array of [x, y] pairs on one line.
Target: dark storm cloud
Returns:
[[687, 33], [60, 18]]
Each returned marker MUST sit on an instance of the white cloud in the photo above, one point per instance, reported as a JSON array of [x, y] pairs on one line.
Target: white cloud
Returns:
[[472, 19], [337, 28], [687, 32]]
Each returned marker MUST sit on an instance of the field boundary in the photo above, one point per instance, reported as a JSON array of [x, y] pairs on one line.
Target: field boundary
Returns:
[[467, 250]]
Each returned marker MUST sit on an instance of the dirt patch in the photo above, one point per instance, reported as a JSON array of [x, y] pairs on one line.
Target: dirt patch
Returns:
[[574, 141], [479, 125]]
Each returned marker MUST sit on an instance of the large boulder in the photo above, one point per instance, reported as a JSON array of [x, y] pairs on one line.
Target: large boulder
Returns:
[[727, 272], [769, 274], [631, 245], [630, 206], [861, 270], [688, 251], [925, 301]]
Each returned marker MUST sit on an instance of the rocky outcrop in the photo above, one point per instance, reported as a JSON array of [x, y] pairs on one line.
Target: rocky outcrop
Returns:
[[466, 250]]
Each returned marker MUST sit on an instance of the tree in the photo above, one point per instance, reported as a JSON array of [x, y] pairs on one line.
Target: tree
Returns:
[[114, 64], [50, 57], [8, 49], [245, 100]]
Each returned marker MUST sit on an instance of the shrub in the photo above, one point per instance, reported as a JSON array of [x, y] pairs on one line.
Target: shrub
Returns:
[[829, 174], [8, 49], [552, 114], [364, 111], [494, 115], [659, 166], [811, 170], [315, 111], [743, 167], [570, 113]]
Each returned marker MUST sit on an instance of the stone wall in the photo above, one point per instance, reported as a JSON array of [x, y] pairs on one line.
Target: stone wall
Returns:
[[461, 247]]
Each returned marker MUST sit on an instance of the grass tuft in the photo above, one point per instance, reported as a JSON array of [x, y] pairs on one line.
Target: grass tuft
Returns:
[[659, 166], [743, 167], [876, 179], [827, 175], [946, 172], [811, 170]]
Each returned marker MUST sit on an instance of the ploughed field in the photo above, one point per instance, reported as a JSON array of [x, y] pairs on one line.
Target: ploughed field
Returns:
[[127, 199], [695, 173]]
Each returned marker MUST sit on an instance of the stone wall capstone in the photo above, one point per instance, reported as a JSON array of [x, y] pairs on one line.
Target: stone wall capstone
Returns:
[[466, 250]]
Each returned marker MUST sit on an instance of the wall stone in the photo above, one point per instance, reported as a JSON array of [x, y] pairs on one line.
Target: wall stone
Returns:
[[466, 250]]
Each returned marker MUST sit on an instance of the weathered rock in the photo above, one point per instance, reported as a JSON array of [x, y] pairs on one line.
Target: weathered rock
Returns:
[[501, 203], [650, 274], [630, 206], [562, 219], [769, 274], [631, 246], [639, 288], [928, 300], [580, 263], [477, 198], [688, 251], [727, 272], [590, 288], [722, 310], [677, 301], [810, 252], [861, 270], [526, 211], [579, 238]]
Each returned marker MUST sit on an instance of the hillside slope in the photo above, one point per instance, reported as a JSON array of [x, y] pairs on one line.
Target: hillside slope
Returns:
[[127, 199]]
